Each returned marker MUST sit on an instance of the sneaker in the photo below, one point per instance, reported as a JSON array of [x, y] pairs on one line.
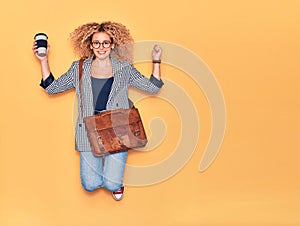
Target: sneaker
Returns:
[[118, 195]]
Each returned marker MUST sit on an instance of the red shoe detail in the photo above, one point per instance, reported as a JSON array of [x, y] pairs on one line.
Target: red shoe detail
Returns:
[[118, 195]]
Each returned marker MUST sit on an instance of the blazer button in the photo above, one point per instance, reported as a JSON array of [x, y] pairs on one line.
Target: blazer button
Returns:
[[117, 104], [80, 125]]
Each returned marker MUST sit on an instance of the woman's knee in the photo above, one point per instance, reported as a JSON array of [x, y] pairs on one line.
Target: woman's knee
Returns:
[[111, 186], [91, 185]]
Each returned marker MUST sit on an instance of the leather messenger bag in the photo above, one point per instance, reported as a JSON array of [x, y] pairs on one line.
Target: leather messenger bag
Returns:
[[113, 131]]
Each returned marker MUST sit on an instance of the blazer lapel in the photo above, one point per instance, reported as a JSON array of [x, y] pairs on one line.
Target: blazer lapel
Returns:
[[117, 72]]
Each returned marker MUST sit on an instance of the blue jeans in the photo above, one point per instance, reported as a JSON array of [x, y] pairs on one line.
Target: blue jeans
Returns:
[[94, 175]]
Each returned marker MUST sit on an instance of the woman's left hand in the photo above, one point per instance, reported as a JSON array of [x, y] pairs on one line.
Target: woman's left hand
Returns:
[[156, 52]]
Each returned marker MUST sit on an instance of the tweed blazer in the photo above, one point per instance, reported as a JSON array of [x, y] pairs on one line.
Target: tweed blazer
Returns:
[[125, 75]]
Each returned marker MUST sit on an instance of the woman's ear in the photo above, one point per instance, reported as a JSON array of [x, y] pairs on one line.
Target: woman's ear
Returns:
[[113, 46]]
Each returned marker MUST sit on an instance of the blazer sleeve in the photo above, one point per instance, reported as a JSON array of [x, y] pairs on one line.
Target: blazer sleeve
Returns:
[[139, 81], [63, 83]]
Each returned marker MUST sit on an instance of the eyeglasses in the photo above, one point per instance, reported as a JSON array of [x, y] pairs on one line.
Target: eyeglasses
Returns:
[[105, 44]]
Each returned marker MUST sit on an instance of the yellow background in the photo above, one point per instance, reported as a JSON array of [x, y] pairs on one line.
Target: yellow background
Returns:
[[253, 49]]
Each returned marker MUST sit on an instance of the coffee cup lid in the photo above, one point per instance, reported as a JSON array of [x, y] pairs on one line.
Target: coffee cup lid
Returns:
[[41, 34]]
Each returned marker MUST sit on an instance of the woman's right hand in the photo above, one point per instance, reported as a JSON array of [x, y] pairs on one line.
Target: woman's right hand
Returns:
[[35, 52]]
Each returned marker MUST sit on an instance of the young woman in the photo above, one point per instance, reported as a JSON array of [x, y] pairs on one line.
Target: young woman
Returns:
[[107, 74]]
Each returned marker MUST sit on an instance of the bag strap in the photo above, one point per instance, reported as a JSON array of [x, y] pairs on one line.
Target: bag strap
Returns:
[[80, 67]]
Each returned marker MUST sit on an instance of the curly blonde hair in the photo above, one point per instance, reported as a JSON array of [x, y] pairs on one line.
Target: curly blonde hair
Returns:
[[81, 39]]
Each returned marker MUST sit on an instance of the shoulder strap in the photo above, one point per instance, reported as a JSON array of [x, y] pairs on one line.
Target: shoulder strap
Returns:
[[80, 66]]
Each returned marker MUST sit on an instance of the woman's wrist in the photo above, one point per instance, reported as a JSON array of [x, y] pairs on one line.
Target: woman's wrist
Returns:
[[156, 69], [156, 61], [44, 61]]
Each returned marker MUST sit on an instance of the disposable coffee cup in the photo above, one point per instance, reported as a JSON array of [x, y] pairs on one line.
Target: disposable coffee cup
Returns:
[[41, 40]]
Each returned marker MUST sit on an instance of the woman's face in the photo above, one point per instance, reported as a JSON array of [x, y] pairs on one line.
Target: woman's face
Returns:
[[101, 45]]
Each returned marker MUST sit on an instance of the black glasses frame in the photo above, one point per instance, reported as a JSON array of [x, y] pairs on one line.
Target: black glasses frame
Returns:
[[105, 44]]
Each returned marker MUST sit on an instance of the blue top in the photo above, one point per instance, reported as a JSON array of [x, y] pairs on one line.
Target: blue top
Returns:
[[101, 88]]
